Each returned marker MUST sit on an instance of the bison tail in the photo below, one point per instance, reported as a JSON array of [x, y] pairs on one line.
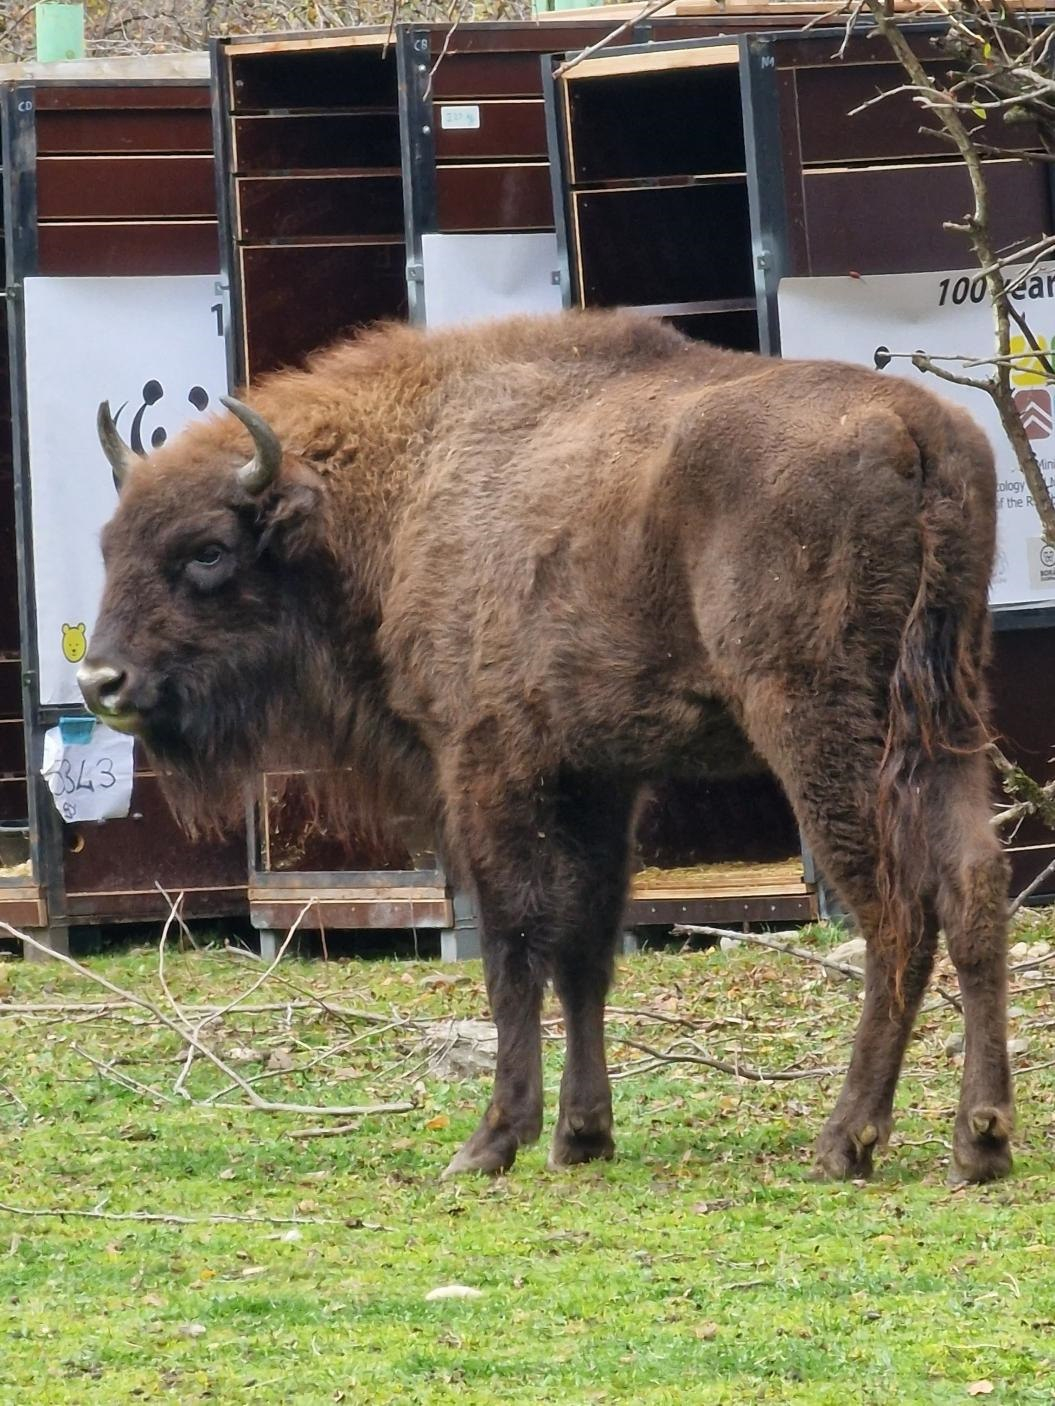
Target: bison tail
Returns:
[[936, 707]]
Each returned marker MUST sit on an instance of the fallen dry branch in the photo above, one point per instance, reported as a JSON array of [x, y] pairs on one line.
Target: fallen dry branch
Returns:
[[739, 1071], [187, 1035], [1031, 888], [775, 943], [170, 1218]]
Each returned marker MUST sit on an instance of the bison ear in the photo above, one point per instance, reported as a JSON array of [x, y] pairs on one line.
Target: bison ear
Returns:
[[290, 517]]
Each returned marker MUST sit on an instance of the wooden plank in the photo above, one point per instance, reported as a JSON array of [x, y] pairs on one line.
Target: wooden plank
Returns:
[[139, 72], [467, 77], [23, 908], [148, 905], [12, 746], [312, 77], [660, 912], [148, 847], [130, 247], [650, 127], [506, 129], [376, 37], [343, 893], [338, 287], [14, 801], [125, 99], [889, 131], [287, 208], [11, 685], [682, 244], [889, 219], [310, 141], [664, 61], [122, 131], [125, 187], [511, 196], [348, 914]]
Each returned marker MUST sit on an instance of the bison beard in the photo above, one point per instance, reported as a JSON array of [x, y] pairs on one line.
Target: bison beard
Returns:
[[507, 576]]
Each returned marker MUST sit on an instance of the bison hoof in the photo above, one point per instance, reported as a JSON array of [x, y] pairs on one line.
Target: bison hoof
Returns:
[[574, 1145], [489, 1150], [981, 1149], [845, 1155]]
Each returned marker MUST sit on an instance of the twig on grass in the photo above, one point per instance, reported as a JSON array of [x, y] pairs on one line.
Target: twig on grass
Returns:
[[775, 943], [170, 1218], [339, 1129], [107, 1070]]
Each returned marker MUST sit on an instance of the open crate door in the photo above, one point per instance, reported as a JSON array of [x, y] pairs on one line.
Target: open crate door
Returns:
[[109, 212], [21, 891], [308, 134], [480, 224], [654, 155]]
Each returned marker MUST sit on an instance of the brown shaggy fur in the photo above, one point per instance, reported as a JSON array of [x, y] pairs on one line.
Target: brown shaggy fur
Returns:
[[511, 574]]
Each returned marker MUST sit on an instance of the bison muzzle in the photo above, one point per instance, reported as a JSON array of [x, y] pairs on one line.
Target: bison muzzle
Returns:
[[511, 575]]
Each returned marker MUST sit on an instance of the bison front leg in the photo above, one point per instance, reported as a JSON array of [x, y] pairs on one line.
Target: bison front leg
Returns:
[[549, 873], [514, 987], [596, 818]]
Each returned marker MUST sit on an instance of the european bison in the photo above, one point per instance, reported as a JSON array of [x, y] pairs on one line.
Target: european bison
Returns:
[[519, 571]]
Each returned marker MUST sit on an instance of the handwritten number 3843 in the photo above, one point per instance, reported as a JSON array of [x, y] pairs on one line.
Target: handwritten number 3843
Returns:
[[64, 782]]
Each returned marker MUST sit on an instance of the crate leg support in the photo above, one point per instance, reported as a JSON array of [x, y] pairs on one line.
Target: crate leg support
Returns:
[[270, 942], [55, 938], [461, 943]]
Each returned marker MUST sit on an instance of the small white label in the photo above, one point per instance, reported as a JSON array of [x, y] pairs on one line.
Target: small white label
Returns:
[[460, 119], [89, 775]]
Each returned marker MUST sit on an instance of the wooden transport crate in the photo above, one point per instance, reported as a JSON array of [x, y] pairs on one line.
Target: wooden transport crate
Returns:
[[362, 172]]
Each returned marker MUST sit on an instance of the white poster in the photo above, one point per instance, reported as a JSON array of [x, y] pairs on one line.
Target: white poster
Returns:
[[88, 768], [881, 320], [152, 347], [472, 277]]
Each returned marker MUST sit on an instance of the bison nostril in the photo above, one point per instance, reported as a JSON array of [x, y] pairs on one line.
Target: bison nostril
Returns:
[[101, 686]]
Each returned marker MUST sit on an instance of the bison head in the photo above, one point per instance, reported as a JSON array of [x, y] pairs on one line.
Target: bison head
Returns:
[[212, 635]]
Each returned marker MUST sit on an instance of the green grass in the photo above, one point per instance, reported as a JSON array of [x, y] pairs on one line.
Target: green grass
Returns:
[[703, 1265]]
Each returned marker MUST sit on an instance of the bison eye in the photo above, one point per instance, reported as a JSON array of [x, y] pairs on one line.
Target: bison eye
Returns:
[[210, 567]]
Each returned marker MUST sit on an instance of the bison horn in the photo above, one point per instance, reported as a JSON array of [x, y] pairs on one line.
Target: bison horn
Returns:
[[121, 458], [260, 472]]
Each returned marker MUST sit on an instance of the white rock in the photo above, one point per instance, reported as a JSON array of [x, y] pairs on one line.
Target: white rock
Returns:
[[1018, 1046], [848, 954], [954, 1043], [461, 1049], [1019, 950], [453, 1291], [729, 944]]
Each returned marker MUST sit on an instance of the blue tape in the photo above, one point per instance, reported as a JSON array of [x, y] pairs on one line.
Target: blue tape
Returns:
[[76, 729]]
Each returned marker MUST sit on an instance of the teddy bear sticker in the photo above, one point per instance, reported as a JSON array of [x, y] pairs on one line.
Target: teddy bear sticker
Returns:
[[74, 642]]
